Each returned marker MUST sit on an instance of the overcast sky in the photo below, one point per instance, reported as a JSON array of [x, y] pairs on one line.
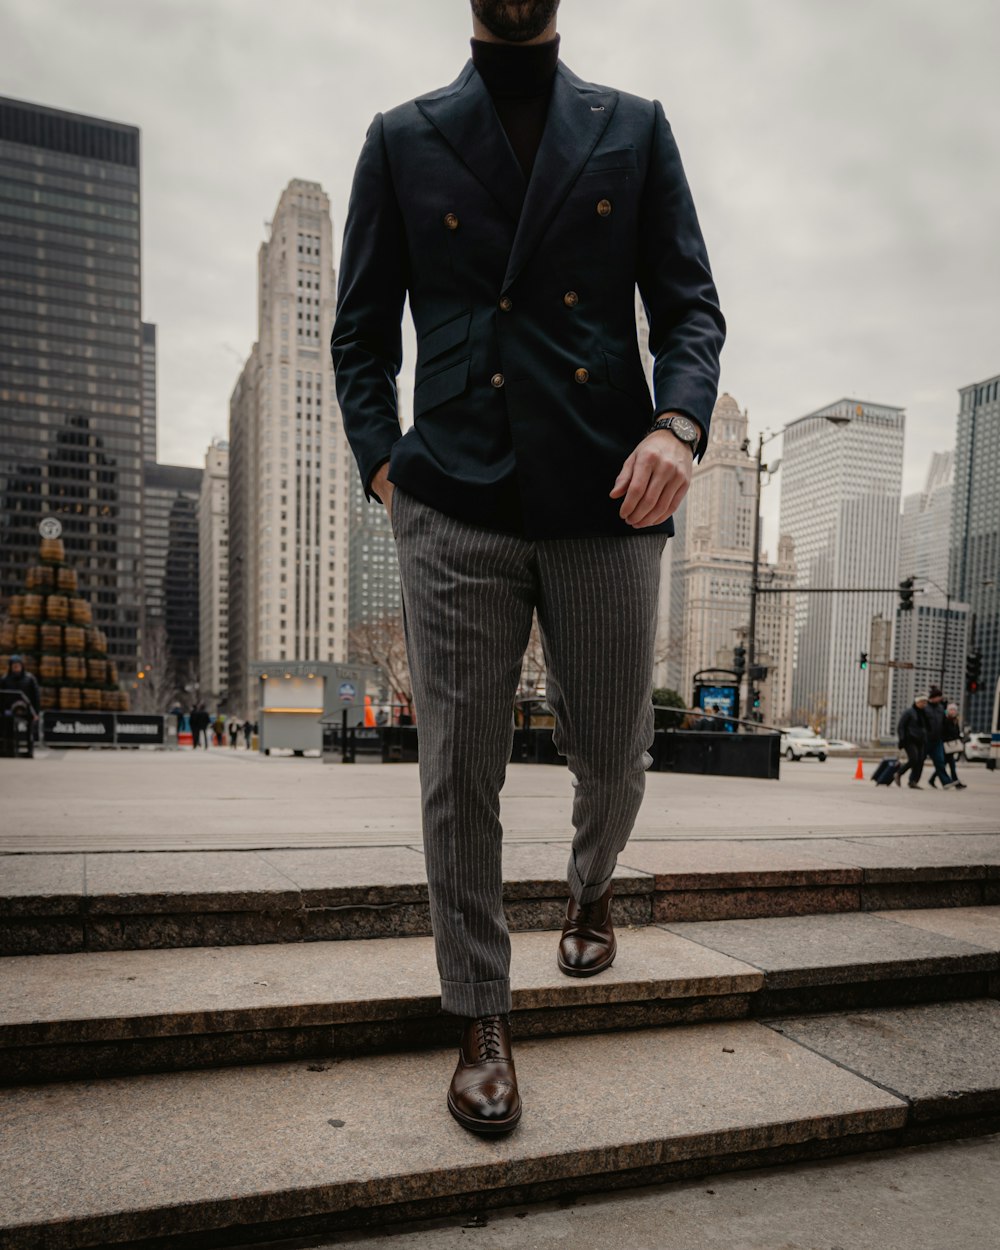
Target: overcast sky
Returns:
[[844, 157]]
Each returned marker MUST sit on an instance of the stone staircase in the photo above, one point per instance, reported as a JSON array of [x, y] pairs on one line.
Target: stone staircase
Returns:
[[182, 1068]]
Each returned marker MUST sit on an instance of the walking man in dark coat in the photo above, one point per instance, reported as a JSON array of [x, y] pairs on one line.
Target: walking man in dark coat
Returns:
[[912, 732], [519, 208]]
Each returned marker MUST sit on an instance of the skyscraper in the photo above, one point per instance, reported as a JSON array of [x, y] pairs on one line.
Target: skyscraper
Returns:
[[148, 393], [290, 464], [170, 566], [213, 571], [842, 469], [974, 567], [373, 595], [715, 569], [71, 355], [925, 530]]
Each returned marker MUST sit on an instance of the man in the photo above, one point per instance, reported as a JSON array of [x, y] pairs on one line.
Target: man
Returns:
[[912, 731], [935, 713], [22, 698], [518, 208]]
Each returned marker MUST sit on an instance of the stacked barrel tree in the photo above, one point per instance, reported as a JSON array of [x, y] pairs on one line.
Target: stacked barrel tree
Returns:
[[51, 626]]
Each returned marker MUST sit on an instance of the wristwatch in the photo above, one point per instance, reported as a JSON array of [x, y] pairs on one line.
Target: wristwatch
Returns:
[[681, 427]]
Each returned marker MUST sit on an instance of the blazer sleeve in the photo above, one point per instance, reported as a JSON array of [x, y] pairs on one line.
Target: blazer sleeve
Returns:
[[367, 343], [686, 325]]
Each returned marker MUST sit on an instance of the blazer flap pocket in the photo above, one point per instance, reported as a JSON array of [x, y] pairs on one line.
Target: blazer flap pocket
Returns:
[[441, 387], [624, 377], [451, 334], [620, 158]]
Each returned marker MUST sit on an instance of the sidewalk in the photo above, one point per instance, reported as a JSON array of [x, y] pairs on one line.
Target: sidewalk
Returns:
[[221, 800]]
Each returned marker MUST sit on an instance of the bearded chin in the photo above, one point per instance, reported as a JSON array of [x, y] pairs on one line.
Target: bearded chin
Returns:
[[515, 20]]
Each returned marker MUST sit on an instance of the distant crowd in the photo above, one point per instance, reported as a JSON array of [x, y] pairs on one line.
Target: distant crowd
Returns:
[[208, 730]]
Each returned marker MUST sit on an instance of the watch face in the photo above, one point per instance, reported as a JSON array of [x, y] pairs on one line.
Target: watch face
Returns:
[[684, 428]]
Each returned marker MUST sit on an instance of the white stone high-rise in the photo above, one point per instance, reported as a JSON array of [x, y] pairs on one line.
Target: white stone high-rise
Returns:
[[842, 470], [715, 570], [289, 458], [213, 570], [925, 529]]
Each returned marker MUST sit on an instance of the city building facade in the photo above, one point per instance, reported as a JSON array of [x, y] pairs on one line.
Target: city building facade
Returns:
[[841, 474], [373, 586], [71, 393], [170, 569], [213, 571], [148, 393], [974, 565], [290, 463], [715, 569]]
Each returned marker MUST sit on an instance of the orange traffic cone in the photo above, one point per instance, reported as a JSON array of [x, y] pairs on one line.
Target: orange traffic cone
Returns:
[[859, 772], [369, 712]]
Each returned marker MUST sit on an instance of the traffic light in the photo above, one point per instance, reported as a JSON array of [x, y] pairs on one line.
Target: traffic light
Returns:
[[863, 662], [739, 659], [973, 670], [756, 699], [906, 595]]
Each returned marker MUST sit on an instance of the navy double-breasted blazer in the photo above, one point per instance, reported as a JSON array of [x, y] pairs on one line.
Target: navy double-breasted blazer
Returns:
[[523, 300]]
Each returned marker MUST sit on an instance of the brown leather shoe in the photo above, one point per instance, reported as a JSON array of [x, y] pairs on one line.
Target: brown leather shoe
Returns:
[[588, 944], [483, 1094]]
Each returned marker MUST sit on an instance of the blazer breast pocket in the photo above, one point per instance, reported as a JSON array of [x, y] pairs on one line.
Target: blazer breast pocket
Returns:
[[441, 386], [605, 162]]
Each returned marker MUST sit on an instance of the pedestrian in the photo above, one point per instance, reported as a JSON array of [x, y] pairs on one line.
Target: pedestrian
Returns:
[[912, 731], [935, 712], [22, 701], [518, 208], [219, 729], [234, 732], [953, 741], [247, 733]]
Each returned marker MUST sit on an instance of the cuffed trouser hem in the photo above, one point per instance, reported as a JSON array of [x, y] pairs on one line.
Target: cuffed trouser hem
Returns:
[[476, 998], [581, 891]]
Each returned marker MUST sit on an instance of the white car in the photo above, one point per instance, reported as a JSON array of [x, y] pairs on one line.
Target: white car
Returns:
[[800, 741], [977, 748]]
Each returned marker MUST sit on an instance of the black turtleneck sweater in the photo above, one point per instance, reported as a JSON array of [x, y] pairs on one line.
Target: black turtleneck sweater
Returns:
[[519, 80]]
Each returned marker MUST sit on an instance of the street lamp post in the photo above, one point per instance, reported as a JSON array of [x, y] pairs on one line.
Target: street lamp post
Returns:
[[759, 470]]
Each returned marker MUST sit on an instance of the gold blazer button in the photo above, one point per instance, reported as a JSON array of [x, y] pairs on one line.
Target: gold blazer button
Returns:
[[451, 221], [497, 380], [604, 208], [582, 375]]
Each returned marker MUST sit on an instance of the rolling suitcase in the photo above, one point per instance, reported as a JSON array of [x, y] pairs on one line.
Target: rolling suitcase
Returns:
[[885, 774]]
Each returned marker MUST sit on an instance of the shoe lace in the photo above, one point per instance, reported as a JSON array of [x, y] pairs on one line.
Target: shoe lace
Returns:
[[489, 1036]]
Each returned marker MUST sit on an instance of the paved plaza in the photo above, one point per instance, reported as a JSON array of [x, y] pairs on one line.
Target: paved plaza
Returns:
[[74, 800]]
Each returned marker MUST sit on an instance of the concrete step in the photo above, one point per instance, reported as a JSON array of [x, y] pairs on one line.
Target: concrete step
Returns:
[[96, 1014], [57, 903], [231, 1156]]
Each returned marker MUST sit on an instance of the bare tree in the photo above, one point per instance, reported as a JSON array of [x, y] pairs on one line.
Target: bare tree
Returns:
[[154, 685], [382, 644], [533, 663]]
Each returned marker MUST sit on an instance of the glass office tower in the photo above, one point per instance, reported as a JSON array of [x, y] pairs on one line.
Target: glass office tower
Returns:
[[71, 356]]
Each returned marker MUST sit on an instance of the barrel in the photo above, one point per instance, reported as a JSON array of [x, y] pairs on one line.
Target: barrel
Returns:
[[52, 549], [69, 698], [8, 636], [79, 612], [27, 637], [75, 638], [57, 608], [39, 577], [112, 673], [15, 609], [52, 638], [93, 699], [50, 668], [32, 607], [97, 671], [66, 580], [49, 697], [75, 667]]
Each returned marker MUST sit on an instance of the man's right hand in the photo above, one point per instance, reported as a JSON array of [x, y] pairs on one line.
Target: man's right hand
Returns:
[[383, 487]]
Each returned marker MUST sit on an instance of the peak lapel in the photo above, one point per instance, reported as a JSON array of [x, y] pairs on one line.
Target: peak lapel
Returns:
[[577, 117], [465, 116]]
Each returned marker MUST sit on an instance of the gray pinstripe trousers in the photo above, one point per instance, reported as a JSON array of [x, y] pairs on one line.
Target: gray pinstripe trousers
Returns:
[[468, 595]]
